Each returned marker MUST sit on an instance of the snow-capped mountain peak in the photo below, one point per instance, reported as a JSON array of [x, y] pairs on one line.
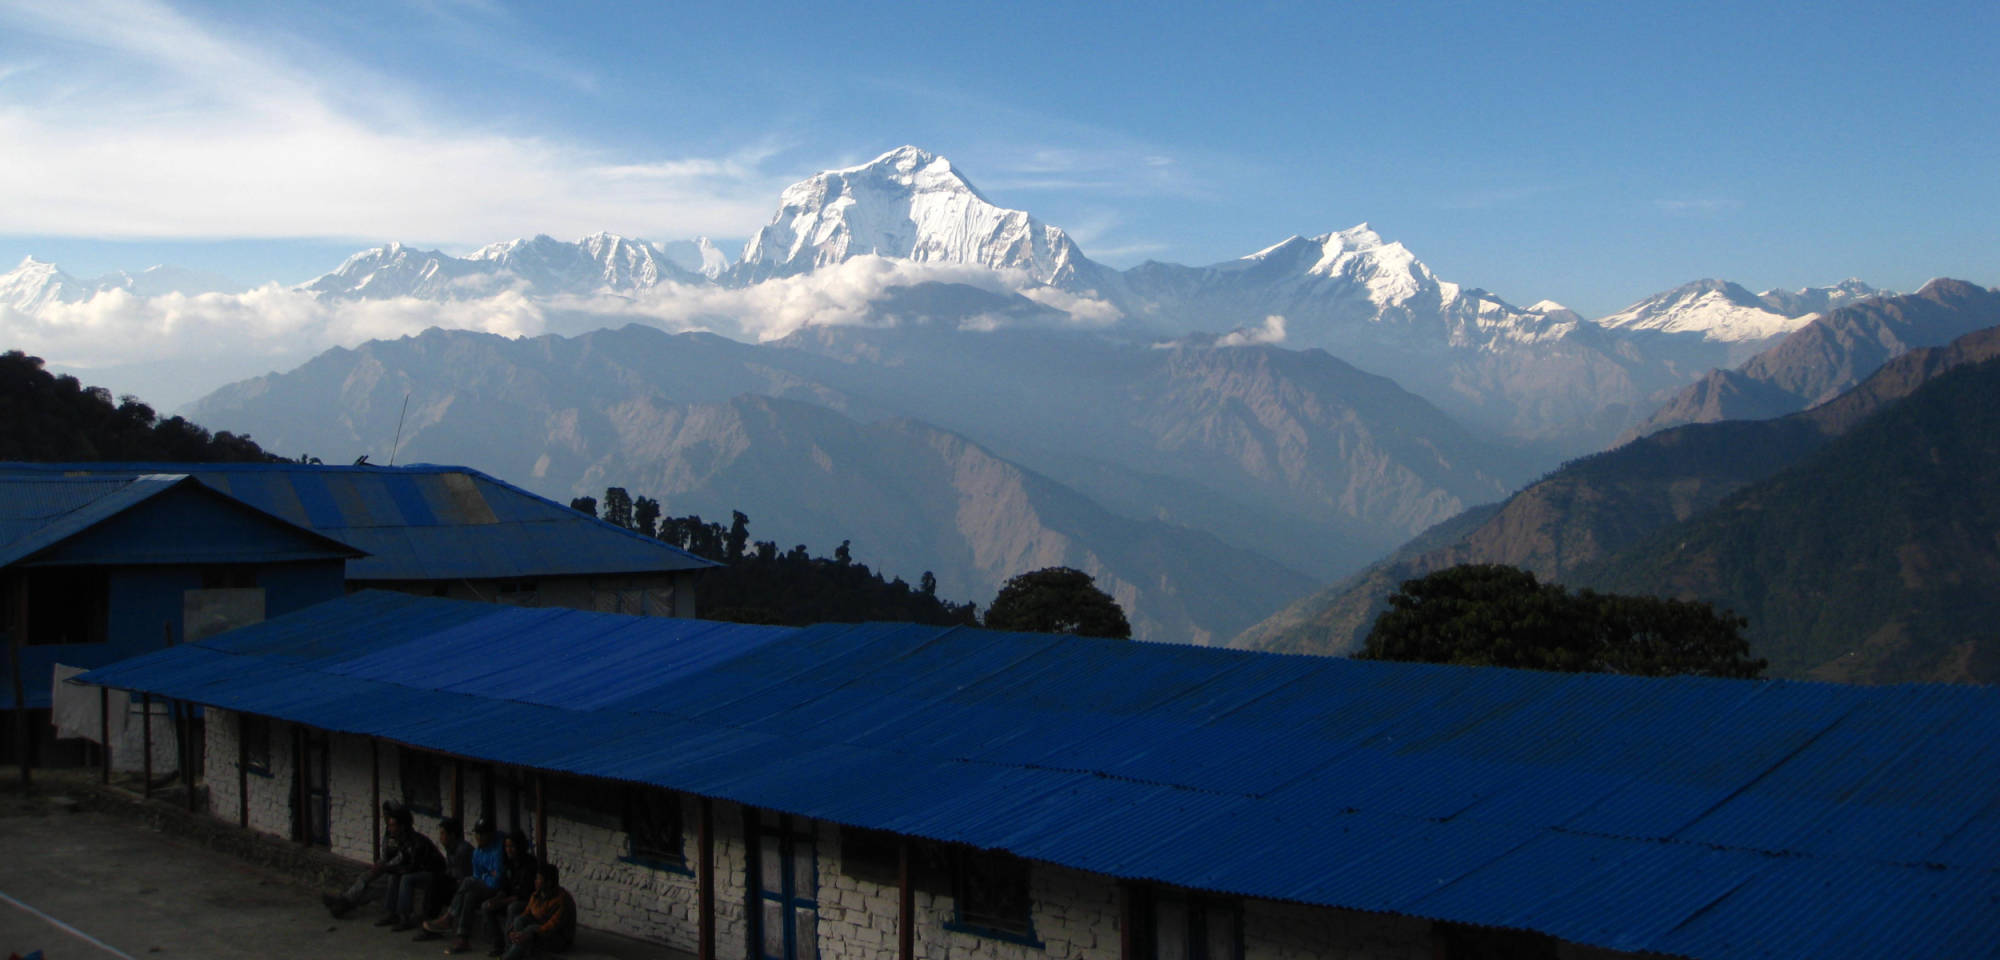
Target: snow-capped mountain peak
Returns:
[[909, 204], [1714, 309]]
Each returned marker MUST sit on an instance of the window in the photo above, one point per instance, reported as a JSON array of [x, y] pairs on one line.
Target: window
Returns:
[[990, 890], [1174, 925], [875, 856], [653, 825], [584, 801], [515, 593], [1454, 941], [256, 733], [68, 606], [422, 775]]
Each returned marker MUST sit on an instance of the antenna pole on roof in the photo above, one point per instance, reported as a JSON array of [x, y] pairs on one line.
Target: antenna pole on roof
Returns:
[[399, 429]]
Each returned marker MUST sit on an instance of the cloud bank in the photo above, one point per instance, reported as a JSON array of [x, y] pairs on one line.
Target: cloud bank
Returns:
[[173, 348]]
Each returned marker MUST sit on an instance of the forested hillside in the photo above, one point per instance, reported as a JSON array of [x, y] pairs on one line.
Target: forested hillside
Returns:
[[56, 418]]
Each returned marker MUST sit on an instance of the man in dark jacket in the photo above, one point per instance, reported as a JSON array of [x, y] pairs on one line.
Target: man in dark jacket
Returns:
[[399, 854], [517, 884]]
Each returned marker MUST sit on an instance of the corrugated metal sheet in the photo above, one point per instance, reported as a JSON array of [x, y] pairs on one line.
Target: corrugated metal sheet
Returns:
[[1684, 816], [38, 511], [420, 522]]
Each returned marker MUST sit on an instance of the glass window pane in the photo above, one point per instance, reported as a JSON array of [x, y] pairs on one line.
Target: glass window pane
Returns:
[[808, 935], [1222, 940], [803, 886], [1170, 928], [774, 930], [771, 869]]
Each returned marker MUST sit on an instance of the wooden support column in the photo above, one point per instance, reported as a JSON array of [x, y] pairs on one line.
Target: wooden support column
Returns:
[[243, 768], [705, 880], [1127, 916], [104, 733], [184, 731], [906, 904], [17, 637], [541, 821], [302, 799], [146, 744], [375, 797], [458, 789]]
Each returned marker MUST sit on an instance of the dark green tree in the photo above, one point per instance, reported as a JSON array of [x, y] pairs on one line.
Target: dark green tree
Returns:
[[618, 507], [739, 536], [927, 584], [645, 515], [1057, 600], [1502, 616], [585, 505]]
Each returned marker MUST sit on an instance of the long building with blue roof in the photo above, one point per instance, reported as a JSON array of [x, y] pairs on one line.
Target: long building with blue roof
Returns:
[[878, 790]]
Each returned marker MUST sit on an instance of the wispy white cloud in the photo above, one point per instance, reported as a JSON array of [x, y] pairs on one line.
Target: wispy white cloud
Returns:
[[1696, 206], [179, 129]]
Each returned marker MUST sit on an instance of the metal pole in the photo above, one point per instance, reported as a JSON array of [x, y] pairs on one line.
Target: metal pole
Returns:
[[705, 880], [906, 904], [146, 732], [104, 733], [375, 797]]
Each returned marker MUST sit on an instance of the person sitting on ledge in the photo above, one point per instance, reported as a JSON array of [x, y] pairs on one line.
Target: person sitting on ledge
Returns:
[[517, 884], [488, 866], [458, 869], [548, 925], [399, 853]]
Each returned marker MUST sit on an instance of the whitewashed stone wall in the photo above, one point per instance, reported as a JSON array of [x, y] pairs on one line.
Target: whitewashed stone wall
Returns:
[[218, 770], [652, 902], [1075, 916]]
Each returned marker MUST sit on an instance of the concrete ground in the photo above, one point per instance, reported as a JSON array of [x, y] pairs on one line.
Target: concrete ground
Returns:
[[87, 884]]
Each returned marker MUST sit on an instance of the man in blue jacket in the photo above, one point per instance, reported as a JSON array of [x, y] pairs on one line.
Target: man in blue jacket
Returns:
[[488, 868]]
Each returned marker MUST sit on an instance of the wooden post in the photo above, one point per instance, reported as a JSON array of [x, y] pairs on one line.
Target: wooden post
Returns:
[[906, 904], [541, 821], [104, 733], [243, 767], [375, 797], [705, 881], [302, 820], [1127, 916], [146, 743], [184, 731], [17, 636], [458, 789]]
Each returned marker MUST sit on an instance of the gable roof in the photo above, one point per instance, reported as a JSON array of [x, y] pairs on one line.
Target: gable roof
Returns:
[[41, 511], [419, 522], [1688, 816]]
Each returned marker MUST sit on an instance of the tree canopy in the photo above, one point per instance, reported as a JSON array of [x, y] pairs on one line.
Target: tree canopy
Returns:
[[1057, 600], [1496, 615], [48, 417]]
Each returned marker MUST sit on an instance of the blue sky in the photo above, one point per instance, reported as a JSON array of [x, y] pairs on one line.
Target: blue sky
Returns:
[[1590, 152]]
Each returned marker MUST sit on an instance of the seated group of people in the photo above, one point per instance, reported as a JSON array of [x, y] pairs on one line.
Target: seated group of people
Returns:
[[488, 882]]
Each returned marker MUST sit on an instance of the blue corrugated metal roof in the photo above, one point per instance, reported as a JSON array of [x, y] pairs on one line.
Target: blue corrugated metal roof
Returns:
[[37, 512], [40, 510], [419, 522], [1684, 816]]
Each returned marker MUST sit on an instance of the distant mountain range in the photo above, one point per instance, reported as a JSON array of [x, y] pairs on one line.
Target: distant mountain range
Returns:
[[1620, 518], [1295, 413]]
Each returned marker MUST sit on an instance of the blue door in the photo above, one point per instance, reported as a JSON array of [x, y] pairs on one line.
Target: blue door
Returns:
[[786, 907]]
